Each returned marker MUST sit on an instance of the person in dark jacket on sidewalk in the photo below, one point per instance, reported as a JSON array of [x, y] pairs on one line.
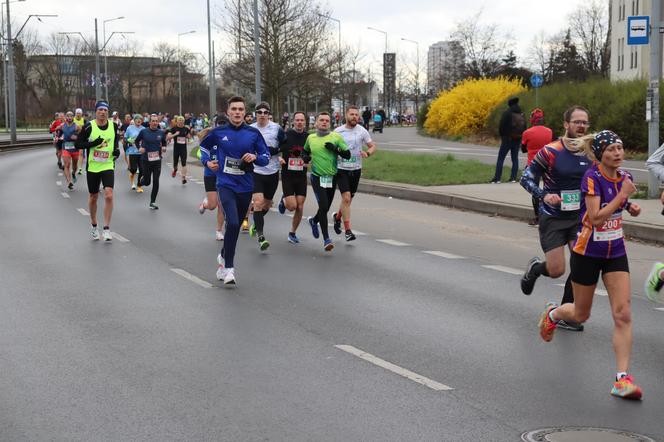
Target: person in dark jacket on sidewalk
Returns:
[[512, 126]]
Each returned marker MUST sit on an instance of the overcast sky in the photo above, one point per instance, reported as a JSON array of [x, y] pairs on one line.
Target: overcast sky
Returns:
[[425, 21]]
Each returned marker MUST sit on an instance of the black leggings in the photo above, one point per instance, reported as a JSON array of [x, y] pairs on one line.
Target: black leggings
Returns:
[[151, 171], [324, 196], [135, 164]]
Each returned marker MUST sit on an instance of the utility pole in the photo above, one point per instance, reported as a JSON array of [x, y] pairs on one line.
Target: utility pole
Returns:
[[257, 54], [97, 69], [213, 86], [11, 96], [655, 77]]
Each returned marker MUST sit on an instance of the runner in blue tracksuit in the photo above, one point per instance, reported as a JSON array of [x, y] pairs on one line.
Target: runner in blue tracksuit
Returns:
[[237, 147]]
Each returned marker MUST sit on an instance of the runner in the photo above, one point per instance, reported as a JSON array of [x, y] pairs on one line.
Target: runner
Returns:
[[266, 178], [151, 143], [132, 153], [324, 146], [179, 134], [57, 139], [69, 152], [600, 248], [210, 202], [99, 139], [561, 166], [532, 141], [350, 170], [238, 146], [655, 280], [294, 173], [128, 121], [80, 122]]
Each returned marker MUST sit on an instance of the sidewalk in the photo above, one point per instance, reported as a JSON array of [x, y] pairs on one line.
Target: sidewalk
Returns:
[[509, 200]]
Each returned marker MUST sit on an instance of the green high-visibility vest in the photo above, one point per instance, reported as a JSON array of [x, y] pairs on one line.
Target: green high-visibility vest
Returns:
[[101, 158]]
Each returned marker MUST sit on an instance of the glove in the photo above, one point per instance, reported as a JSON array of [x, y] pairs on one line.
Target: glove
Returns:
[[116, 154], [247, 167], [274, 150], [306, 157], [97, 142], [331, 147]]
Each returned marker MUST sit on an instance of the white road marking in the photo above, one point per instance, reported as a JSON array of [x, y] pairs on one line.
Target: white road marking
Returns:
[[65, 195], [659, 309], [510, 270], [83, 212], [58, 183], [394, 368], [192, 278], [60, 174], [273, 210], [443, 254], [600, 292], [119, 237], [358, 233], [393, 242]]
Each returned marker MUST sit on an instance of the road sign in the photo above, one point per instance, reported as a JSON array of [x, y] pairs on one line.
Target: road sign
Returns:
[[536, 81], [638, 30]]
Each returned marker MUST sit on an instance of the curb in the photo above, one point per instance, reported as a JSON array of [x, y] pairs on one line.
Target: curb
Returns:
[[640, 231]]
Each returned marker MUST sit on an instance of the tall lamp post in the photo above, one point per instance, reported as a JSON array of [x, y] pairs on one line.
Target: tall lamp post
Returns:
[[211, 79], [4, 63], [180, 72], [103, 26], [385, 94], [417, 74], [341, 81]]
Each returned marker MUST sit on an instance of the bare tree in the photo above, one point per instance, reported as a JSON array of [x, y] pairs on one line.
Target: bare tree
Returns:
[[589, 24]]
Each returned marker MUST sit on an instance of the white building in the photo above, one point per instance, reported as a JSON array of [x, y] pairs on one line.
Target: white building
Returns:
[[445, 61], [628, 62]]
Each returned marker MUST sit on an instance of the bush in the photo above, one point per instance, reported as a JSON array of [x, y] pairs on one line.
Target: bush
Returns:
[[618, 106], [465, 109], [422, 114]]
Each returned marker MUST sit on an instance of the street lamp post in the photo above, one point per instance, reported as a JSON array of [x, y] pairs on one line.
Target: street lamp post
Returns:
[[341, 81], [417, 74], [180, 72], [385, 94], [257, 54], [4, 64], [105, 56], [11, 96], [382, 32], [213, 86]]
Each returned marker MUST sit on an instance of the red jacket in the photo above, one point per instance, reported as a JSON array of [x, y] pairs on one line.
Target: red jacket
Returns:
[[536, 138]]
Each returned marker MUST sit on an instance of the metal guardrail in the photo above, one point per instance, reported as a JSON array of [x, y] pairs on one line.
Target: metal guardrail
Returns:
[[6, 146]]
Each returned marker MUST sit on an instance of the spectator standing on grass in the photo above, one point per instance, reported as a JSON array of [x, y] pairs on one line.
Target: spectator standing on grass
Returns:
[[512, 126], [532, 141]]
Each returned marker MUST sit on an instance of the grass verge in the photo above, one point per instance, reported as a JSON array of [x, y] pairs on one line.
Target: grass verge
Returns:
[[427, 170]]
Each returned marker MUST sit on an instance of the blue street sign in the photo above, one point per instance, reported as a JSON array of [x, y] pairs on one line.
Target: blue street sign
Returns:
[[536, 81], [638, 30]]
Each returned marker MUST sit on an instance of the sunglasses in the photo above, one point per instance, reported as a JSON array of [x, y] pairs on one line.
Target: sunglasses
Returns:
[[260, 112]]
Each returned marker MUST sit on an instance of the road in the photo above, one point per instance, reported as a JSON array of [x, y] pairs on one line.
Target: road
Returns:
[[136, 340], [406, 139]]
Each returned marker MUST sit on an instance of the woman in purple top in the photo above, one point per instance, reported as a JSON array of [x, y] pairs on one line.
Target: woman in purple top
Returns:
[[600, 248]]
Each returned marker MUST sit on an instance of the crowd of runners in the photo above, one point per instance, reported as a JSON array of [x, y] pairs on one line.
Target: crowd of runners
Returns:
[[580, 201]]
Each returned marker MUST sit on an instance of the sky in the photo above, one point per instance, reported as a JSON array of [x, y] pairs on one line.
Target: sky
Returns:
[[424, 21]]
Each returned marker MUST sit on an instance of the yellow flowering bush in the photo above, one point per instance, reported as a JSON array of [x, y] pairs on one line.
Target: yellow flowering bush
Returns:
[[465, 109]]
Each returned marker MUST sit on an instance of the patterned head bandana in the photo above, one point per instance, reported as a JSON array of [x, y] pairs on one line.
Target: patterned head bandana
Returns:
[[602, 140]]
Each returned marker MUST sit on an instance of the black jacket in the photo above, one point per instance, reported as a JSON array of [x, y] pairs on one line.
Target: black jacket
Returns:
[[505, 127]]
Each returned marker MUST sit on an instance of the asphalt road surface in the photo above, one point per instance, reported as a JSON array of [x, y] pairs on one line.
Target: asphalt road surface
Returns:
[[416, 331], [406, 139]]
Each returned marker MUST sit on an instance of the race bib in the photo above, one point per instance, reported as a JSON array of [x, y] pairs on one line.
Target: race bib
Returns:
[[69, 145], [326, 182], [100, 156], [352, 161], [154, 156], [232, 166], [296, 164], [571, 200], [181, 140], [610, 230]]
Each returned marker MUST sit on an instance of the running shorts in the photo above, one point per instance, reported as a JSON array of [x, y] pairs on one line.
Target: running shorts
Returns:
[[210, 183], [74, 154], [556, 232], [106, 178], [348, 180], [179, 153], [266, 184], [585, 270], [294, 184]]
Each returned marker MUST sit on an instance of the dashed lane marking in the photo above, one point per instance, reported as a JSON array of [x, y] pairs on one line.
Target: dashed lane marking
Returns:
[[119, 237], [392, 242], [192, 278], [58, 183], [600, 292], [83, 212], [434, 385], [358, 233], [659, 309], [510, 270], [443, 254], [65, 195], [60, 174]]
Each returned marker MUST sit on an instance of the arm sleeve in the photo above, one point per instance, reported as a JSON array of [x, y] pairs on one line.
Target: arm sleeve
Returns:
[[262, 152], [655, 163], [589, 186], [533, 172], [204, 149], [342, 148], [505, 123], [82, 139], [163, 140]]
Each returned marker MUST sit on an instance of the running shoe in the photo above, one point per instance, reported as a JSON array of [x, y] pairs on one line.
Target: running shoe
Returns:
[[528, 279], [221, 272], [625, 388], [282, 206], [546, 325], [133, 186], [327, 245], [153, 206], [219, 235], [252, 230], [139, 189], [95, 234], [570, 325], [184, 181], [350, 236], [314, 227], [220, 260], [293, 239], [107, 235], [201, 206], [245, 226], [174, 173], [70, 186], [229, 276], [654, 283], [80, 171], [263, 243], [336, 224]]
